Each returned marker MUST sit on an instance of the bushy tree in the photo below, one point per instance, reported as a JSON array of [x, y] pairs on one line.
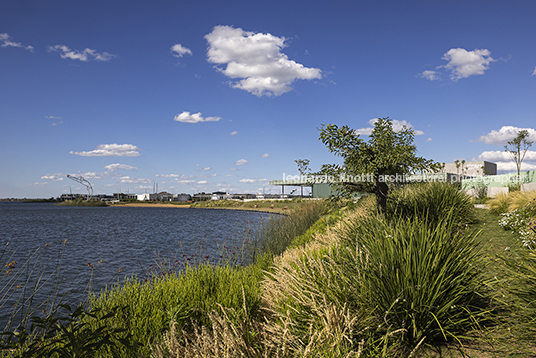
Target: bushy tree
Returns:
[[370, 166]]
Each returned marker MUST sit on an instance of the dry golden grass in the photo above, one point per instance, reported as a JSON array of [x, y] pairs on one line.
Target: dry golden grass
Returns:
[[505, 202], [332, 327]]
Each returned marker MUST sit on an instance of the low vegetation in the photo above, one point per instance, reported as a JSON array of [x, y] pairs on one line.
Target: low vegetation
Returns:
[[82, 202], [431, 277]]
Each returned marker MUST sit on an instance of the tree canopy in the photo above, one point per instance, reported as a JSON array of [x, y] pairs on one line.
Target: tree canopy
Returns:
[[371, 166]]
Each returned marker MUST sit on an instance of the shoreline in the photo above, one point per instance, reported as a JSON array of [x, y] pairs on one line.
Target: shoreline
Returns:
[[147, 205], [188, 206]]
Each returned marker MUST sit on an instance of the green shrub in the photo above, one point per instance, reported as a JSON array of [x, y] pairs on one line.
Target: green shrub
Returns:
[[425, 279], [431, 200]]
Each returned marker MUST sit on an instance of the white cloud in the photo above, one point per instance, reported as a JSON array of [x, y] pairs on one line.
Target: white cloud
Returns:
[[112, 167], [241, 162], [167, 175], [534, 72], [54, 177], [111, 150], [178, 50], [463, 63], [429, 139], [431, 75], [186, 117], [186, 181], [202, 182], [233, 133], [206, 169], [52, 117], [91, 175], [506, 134], [257, 59], [397, 127], [251, 181], [129, 180], [505, 163], [84, 56], [502, 156], [265, 155], [8, 43]]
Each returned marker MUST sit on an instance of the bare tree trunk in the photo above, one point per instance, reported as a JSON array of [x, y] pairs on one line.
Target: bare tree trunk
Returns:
[[381, 197]]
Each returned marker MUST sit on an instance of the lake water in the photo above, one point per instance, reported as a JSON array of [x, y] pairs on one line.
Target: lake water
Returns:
[[124, 240]]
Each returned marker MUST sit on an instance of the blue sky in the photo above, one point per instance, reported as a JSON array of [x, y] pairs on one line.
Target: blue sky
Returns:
[[225, 95]]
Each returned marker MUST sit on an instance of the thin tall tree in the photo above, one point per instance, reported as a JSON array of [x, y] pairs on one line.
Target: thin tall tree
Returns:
[[517, 149]]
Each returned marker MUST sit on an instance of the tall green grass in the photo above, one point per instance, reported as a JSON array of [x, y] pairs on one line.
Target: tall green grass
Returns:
[[148, 307], [276, 235], [425, 279], [431, 200], [391, 285]]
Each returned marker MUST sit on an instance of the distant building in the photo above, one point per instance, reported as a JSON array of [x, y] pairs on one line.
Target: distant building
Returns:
[[182, 197], [122, 196], [144, 197], [202, 196], [218, 195], [471, 169], [65, 197]]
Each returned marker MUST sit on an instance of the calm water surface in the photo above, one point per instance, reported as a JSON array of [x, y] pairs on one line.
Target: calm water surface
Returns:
[[125, 239]]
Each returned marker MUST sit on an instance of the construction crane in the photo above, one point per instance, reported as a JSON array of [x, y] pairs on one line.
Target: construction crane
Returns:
[[84, 182]]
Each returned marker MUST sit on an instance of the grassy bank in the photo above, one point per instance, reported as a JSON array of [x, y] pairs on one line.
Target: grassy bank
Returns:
[[82, 202], [434, 277]]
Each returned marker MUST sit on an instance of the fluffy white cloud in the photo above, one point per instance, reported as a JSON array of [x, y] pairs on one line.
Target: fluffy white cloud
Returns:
[[85, 55], [186, 181], [241, 162], [129, 180], [534, 72], [91, 175], [178, 50], [506, 134], [504, 161], [52, 117], [431, 75], [252, 181], [257, 59], [6, 42], [206, 169], [265, 155], [502, 156], [112, 167], [463, 63], [202, 182], [111, 150], [186, 117], [234, 133], [55, 177], [429, 139], [167, 175], [397, 127]]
